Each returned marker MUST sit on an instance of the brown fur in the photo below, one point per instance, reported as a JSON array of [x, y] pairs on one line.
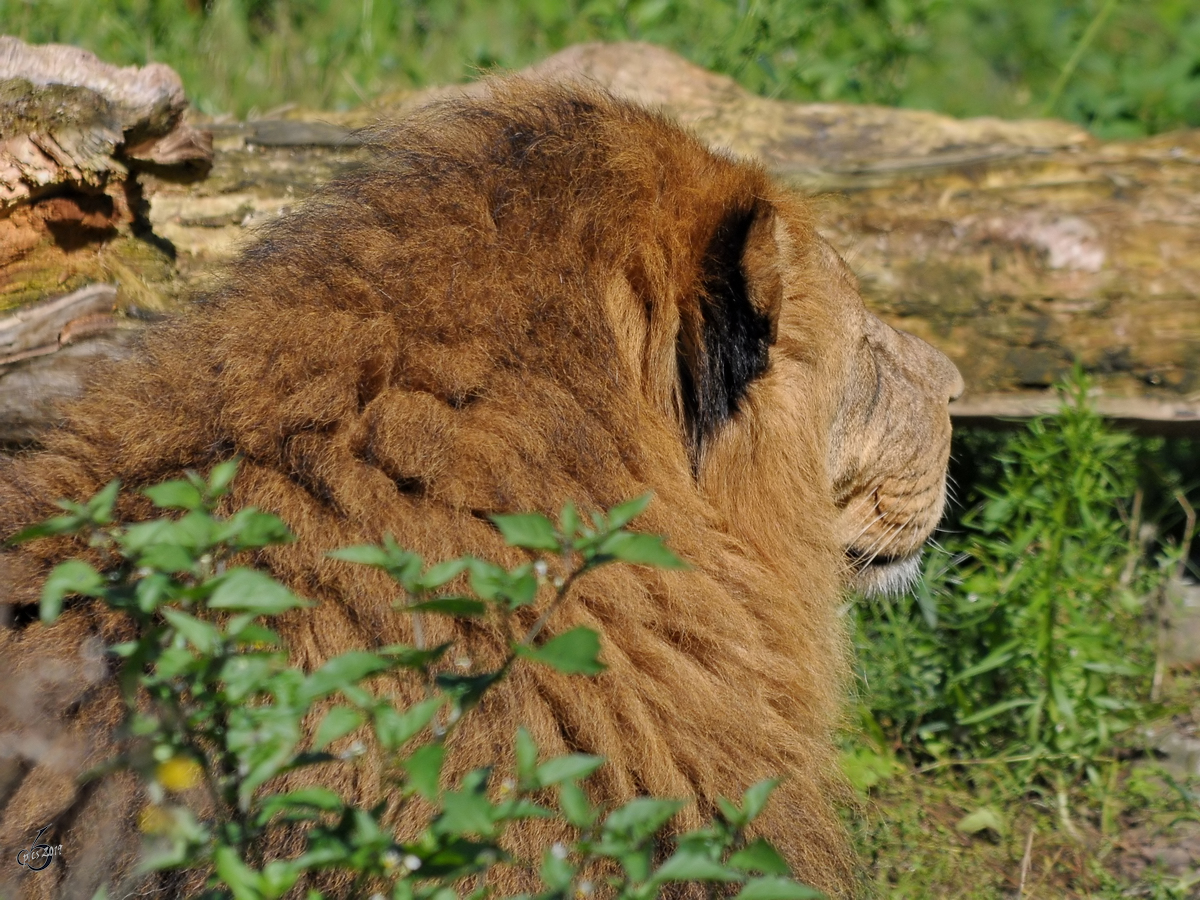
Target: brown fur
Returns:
[[504, 311]]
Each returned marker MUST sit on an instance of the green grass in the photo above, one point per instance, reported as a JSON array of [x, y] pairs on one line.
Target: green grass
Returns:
[[1010, 694], [963, 835], [1120, 68]]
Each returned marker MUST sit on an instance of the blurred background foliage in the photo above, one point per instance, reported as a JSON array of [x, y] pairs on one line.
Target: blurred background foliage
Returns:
[[1122, 69]]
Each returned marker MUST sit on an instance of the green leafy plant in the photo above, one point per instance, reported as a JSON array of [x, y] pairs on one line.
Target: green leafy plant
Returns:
[[1031, 637], [216, 713], [1121, 69]]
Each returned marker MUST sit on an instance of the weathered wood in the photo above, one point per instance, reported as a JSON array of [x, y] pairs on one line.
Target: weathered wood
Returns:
[[43, 328], [69, 120], [1018, 248]]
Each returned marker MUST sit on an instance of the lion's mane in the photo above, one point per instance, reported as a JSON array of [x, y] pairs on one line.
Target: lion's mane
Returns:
[[529, 297]]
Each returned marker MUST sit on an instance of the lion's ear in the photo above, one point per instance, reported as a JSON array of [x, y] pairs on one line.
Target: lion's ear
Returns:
[[725, 338]]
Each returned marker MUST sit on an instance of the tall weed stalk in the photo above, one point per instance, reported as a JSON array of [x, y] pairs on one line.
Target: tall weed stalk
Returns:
[[1031, 638]]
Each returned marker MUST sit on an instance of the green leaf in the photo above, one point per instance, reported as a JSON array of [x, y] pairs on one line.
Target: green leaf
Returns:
[[575, 652], [363, 554], [250, 528], [571, 767], [204, 636], [519, 808], [1113, 703], [242, 881], [641, 817], [442, 573], [244, 675], [759, 856], [994, 660], [526, 754], [556, 871], [316, 798], [338, 722], [55, 525], [395, 728], [71, 577], [774, 887], [100, 507], [270, 749], [983, 819], [424, 768], [465, 812], [247, 590], [244, 630], [639, 549], [175, 495], [532, 531], [492, 583], [467, 689], [866, 767], [568, 520], [636, 862], [995, 710], [221, 476], [575, 806], [176, 661], [487, 579], [154, 590], [167, 556], [1062, 702], [756, 797], [1113, 668], [732, 814], [342, 671], [450, 606], [278, 876], [412, 658], [624, 513], [690, 866], [401, 565]]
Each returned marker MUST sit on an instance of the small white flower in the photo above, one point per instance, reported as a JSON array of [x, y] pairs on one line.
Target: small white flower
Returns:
[[412, 863], [540, 568], [559, 850], [584, 890], [463, 662], [354, 750], [391, 859]]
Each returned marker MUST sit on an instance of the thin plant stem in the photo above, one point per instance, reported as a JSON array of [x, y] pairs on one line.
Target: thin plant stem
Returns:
[[1025, 860], [1081, 48]]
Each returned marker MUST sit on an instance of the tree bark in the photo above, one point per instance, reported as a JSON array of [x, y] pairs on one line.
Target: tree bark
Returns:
[[1018, 248]]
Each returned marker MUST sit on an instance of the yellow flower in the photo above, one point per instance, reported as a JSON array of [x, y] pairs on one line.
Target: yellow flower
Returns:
[[154, 820], [178, 773]]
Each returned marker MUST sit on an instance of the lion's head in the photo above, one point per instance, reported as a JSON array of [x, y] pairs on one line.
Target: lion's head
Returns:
[[536, 295]]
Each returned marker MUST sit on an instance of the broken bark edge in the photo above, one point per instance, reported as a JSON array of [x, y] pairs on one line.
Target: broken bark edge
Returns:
[[1166, 418]]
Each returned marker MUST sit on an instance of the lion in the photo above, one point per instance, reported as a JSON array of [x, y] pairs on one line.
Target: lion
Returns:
[[536, 294]]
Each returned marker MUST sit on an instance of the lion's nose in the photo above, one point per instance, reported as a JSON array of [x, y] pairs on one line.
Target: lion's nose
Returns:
[[957, 385], [944, 374], [931, 367]]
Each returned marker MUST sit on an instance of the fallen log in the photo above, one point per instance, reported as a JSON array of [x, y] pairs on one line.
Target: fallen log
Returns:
[[1018, 248]]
